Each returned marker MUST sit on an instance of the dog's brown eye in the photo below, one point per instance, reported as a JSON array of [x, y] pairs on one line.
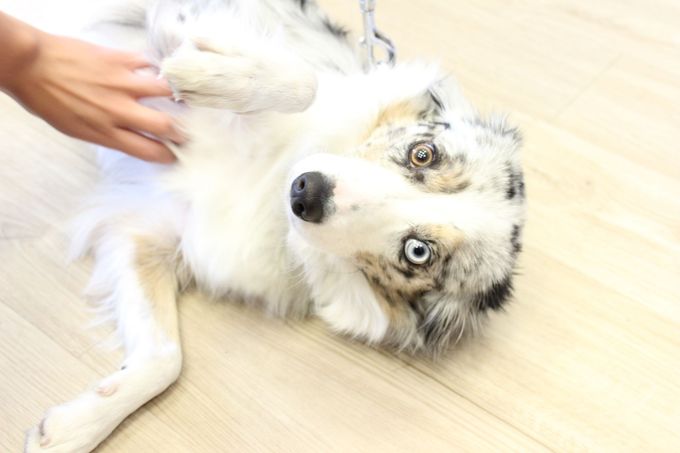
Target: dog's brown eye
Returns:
[[422, 154]]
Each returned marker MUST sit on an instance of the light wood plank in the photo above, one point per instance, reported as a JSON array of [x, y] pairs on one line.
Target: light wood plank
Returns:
[[586, 358], [265, 384], [37, 374]]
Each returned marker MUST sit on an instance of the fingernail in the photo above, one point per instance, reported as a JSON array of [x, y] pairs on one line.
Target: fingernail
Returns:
[[169, 158], [177, 139], [181, 130], [164, 82], [178, 134]]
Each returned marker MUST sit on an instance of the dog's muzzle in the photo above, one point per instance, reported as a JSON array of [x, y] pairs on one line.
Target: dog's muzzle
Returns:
[[309, 195]]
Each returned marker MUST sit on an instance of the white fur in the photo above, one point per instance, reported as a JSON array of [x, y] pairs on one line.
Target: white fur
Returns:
[[152, 359], [223, 210]]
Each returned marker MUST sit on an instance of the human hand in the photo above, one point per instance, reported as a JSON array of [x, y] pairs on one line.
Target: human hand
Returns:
[[91, 93]]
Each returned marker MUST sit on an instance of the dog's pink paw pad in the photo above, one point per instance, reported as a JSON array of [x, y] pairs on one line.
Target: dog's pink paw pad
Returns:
[[106, 388]]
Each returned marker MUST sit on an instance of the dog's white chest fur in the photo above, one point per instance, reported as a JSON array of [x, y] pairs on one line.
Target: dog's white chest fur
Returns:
[[234, 236]]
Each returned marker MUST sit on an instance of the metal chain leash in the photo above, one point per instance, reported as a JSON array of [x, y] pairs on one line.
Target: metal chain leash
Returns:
[[373, 38]]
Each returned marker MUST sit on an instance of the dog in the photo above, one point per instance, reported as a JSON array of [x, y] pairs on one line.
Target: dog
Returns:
[[379, 201]]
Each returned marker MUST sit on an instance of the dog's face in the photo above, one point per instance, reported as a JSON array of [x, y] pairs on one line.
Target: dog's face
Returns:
[[410, 237]]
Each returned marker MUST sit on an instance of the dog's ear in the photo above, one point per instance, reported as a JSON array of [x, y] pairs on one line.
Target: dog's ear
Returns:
[[418, 107], [426, 105], [444, 324], [445, 96]]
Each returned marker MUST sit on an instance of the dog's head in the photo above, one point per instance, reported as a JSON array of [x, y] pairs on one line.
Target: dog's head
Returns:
[[411, 236]]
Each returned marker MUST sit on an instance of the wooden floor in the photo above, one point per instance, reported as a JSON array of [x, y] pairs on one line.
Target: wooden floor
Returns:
[[587, 358]]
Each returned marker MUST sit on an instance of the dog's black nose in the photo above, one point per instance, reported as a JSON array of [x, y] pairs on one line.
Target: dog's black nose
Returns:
[[308, 194]]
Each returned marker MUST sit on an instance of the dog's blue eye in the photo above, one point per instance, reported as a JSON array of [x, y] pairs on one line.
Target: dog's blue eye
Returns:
[[417, 252]]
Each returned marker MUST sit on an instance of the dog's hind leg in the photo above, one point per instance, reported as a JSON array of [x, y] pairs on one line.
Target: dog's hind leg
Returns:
[[138, 281]]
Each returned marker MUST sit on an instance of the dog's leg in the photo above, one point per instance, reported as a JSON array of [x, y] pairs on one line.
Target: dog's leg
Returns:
[[241, 79], [139, 282]]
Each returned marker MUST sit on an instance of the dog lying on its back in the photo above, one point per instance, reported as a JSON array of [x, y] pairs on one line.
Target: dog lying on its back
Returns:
[[380, 202]]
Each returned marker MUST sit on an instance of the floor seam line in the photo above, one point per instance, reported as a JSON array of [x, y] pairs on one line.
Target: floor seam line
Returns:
[[551, 119], [477, 405]]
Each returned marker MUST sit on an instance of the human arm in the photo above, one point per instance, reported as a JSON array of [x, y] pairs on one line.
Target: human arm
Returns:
[[85, 91]]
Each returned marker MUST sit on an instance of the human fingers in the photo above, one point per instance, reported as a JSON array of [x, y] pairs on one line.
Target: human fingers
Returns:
[[143, 85], [137, 145], [144, 119], [133, 60]]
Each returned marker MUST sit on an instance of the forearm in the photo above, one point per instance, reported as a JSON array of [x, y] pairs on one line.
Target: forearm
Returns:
[[20, 46]]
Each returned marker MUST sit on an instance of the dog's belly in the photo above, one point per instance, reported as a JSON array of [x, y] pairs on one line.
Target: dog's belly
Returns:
[[233, 250], [234, 235]]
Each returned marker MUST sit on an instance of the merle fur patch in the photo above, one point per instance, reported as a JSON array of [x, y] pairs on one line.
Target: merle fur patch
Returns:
[[497, 125], [495, 296], [514, 240], [336, 30], [515, 181]]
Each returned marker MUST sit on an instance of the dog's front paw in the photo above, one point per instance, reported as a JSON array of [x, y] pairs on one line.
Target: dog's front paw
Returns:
[[243, 82], [76, 426], [207, 79]]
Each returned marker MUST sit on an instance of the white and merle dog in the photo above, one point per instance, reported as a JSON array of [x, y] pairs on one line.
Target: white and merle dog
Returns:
[[380, 202]]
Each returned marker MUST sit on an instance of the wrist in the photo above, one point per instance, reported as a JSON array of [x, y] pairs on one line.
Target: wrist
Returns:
[[21, 49]]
